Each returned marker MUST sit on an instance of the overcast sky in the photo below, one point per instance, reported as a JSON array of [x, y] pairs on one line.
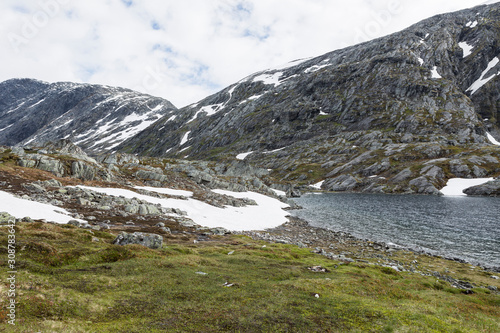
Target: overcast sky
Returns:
[[185, 50]]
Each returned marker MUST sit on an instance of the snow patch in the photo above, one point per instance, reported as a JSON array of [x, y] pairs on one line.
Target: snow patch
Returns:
[[318, 185], [483, 79], [492, 139], [278, 192], [20, 208], [185, 138], [471, 24], [435, 74], [467, 49], [268, 213], [167, 191], [289, 64], [3, 129], [456, 186], [315, 68], [273, 79], [243, 155]]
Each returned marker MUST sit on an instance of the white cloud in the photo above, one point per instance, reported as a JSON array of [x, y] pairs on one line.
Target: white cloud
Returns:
[[186, 50]]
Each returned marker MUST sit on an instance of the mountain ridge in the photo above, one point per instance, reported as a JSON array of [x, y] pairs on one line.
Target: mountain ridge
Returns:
[[399, 114], [96, 117], [431, 91]]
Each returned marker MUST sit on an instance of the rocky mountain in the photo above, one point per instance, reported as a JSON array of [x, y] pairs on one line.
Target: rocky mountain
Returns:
[[96, 117], [402, 113]]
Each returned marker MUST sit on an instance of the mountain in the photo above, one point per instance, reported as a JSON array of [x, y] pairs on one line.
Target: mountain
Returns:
[[95, 117], [402, 113]]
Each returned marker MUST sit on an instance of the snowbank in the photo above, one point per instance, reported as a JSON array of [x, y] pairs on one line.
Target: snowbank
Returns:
[[268, 213], [167, 191], [38, 211], [455, 186]]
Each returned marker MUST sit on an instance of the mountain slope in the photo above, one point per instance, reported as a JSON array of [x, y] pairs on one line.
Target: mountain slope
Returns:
[[430, 91], [97, 118]]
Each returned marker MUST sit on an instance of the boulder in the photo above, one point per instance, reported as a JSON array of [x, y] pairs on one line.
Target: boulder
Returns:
[[152, 241], [340, 183], [6, 218], [488, 189], [423, 185], [34, 188], [83, 171]]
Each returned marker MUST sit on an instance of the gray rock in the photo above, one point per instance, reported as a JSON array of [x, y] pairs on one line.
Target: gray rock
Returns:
[[51, 165], [152, 241], [219, 231], [402, 176], [83, 170], [49, 183], [459, 169], [491, 188], [34, 188], [423, 185], [6, 218], [75, 223], [151, 175], [19, 151], [340, 183]]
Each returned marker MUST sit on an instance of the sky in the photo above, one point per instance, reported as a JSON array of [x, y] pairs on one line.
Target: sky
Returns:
[[186, 50]]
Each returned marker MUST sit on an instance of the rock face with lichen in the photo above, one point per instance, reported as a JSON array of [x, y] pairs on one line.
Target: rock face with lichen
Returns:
[[399, 114]]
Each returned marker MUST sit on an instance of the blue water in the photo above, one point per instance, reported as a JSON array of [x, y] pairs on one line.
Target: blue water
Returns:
[[461, 227]]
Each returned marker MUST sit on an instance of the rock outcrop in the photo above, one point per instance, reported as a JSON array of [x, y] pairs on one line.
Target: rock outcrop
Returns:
[[148, 240]]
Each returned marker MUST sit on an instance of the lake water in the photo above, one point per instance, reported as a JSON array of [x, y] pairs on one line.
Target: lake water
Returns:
[[462, 227]]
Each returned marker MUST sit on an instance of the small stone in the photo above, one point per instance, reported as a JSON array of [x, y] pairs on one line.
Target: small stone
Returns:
[[75, 223]]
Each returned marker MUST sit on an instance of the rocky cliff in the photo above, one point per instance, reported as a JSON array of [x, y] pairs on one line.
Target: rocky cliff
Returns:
[[97, 118], [402, 113]]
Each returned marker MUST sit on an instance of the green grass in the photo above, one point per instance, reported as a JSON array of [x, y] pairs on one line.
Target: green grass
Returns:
[[67, 283]]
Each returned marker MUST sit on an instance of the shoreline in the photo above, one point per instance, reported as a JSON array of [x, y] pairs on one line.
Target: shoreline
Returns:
[[343, 246]]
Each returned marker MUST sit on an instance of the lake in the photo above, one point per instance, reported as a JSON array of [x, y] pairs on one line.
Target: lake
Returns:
[[462, 227]]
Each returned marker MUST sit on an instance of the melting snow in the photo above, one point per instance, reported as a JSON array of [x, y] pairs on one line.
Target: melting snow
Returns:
[[318, 185], [421, 61], [185, 138], [456, 186], [167, 191], [268, 213], [252, 98], [25, 208], [467, 49], [290, 64], [243, 156], [471, 24], [3, 129], [482, 80], [492, 139], [315, 68], [435, 74], [171, 119], [273, 79], [278, 192]]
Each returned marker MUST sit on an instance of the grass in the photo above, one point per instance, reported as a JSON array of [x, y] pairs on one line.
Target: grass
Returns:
[[67, 282]]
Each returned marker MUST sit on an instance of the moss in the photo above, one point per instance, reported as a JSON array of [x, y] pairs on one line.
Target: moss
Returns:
[[135, 289]]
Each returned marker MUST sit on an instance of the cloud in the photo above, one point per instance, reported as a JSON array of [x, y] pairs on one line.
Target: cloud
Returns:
[[186, 50]]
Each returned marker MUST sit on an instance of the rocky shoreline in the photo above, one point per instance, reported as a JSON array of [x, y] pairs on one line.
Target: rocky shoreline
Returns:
[[343, 246]]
